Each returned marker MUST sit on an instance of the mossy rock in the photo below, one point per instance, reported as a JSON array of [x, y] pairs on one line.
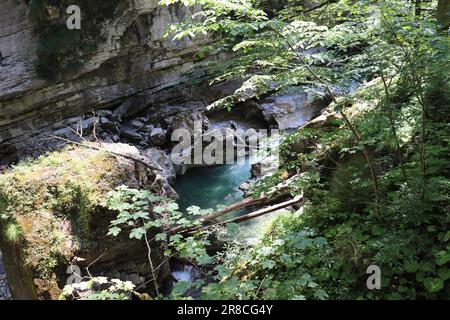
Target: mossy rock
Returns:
[[51, 210]]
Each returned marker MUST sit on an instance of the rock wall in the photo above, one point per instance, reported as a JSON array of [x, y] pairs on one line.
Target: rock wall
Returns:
[[133, 59]]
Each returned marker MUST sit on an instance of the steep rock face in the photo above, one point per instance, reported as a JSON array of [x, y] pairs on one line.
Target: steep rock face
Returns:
[[18, 47], [132, 59]]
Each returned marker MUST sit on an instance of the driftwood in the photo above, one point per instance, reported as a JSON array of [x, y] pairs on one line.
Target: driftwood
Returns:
[[251, 215], [231, 208]]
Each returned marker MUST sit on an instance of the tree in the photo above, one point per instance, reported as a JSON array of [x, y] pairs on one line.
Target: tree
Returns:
[[443, 12]]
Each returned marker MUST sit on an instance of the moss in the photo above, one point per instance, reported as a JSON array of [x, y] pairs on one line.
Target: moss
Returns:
[[13, 232], [46, 205], [60, 50], [56, 47]]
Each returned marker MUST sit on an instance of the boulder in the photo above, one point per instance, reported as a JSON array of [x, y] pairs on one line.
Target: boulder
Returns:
[[264, 167], [291, 110], [109, 126], [158, 137], [246, 186], [167, 175], [136, 124], [104, 113], [53, 216], [325, 120], [130, 134], [131, 107], [187, 120]]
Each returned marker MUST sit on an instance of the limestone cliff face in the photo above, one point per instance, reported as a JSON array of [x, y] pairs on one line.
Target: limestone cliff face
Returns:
[[132, 59]]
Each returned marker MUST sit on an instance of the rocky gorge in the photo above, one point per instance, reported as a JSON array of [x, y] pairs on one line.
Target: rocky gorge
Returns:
[[223, 150], [128, 95]]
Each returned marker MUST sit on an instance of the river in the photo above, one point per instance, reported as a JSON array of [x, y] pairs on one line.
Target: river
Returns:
[[208, 187]]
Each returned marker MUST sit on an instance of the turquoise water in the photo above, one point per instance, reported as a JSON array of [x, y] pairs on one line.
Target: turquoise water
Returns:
[[208, 187]]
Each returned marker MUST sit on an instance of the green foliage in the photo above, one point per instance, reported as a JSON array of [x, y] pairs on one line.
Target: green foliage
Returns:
[[99, 288], [402, 119], [350, 184], [134, 209], [12, 232], [323, 250], [278, 268]]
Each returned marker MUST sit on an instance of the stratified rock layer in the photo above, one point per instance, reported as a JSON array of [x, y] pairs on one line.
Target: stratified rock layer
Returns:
[[133, 65]]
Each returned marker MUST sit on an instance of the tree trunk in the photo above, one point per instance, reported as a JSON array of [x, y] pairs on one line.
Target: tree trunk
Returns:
[[231, 208], [352, 128], [251, 215], [418, 8], [442, 13]]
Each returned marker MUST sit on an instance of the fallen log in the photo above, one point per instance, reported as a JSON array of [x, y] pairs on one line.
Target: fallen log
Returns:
[[231, 208], [250, 215]]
